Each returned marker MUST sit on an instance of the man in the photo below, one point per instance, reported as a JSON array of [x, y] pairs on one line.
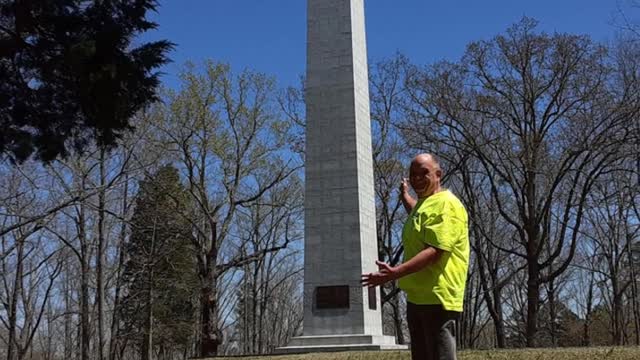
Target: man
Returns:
[[436, 257]]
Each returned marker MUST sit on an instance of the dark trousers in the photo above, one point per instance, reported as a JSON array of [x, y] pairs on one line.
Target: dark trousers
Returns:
[[433, 332]]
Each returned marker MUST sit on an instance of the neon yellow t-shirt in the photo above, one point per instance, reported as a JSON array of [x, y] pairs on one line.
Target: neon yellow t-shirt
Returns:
[[439, 221]]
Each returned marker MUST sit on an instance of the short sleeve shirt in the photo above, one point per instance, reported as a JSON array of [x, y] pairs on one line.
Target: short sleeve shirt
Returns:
[[439, 221]]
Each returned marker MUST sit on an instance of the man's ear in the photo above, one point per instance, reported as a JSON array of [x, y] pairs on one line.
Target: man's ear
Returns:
[[439, 173]]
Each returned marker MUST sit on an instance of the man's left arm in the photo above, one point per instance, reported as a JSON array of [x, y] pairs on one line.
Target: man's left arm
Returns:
[[388, 273]]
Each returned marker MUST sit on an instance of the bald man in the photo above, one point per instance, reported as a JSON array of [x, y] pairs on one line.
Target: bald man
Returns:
[[436, 258]]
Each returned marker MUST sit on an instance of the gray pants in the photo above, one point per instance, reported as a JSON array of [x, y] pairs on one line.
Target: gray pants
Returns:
[[433, 332]]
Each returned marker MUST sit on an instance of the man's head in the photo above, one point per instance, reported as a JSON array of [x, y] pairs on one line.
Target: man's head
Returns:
[[425, 175]]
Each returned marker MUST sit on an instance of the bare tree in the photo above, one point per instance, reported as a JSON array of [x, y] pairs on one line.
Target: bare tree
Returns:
[[29, 267], [489, 235], [613, 230], [626, 18], [263, 225], [585, 292], [545, 116], [86, 228], [225, 134]]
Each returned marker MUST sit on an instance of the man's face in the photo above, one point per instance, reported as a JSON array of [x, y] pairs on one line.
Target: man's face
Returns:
[[424, 176]]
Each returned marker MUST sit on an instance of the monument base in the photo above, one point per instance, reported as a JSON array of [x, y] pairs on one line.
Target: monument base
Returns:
[[333, 343]]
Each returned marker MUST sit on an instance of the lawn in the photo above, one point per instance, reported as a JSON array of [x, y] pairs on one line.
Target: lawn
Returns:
[[600, 353]]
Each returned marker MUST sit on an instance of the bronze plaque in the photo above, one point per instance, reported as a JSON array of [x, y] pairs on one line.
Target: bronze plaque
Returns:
[[373, 305], [332, 297]]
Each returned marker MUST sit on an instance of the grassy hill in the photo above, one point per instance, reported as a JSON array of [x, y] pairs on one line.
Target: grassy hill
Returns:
[[618, 353]]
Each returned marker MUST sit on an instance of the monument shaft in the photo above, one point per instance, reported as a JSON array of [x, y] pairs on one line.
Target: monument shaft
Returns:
[[340, 231]]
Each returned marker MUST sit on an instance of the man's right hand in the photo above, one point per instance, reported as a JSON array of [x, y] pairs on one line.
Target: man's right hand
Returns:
[[404, 186], [407, 200]]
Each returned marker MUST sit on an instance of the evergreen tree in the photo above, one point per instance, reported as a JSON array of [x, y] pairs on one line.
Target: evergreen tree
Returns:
[[70, 75], [160, 280]]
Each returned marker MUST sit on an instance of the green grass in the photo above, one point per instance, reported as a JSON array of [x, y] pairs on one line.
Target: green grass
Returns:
[[601, 353]]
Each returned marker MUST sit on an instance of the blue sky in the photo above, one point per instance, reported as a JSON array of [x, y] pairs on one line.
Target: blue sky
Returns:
[[269, 35]]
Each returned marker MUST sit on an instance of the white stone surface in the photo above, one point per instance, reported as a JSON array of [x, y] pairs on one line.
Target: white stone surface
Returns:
[[305, 344], [340, 231]]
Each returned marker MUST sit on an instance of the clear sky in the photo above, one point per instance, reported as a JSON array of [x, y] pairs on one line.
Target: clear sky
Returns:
[[269, 35]]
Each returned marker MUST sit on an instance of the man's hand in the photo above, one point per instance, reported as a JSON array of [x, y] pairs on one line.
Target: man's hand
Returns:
[[407, 200], [404, 186], [384, 274], [388, 273]]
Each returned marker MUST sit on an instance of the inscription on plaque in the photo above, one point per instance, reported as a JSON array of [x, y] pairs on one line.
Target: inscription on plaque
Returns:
[[332, 297]]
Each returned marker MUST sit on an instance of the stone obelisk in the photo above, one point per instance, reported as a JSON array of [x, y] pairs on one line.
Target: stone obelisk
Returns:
[[340, 232]]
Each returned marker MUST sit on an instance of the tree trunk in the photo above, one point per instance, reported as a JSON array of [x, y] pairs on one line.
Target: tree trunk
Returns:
[[50, 350], [468, 320], [533, 300], [147, 341], [211, 336], [552, 314], [634, 288], [68, 318], [617, 316], [586, 329], [100, 256], [147, 333], [397, 319], [499, 321], [264, 337], [84, 310], [246, 327], [13, 307], [255, 337], [121, 255], [84, 287], [79, 341], [494, 304]]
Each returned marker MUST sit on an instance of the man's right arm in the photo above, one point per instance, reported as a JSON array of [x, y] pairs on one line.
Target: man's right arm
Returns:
[[407, 200]]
